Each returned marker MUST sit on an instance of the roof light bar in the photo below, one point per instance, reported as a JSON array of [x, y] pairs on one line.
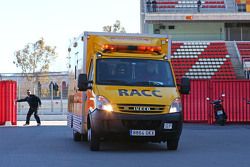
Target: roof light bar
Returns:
[[124, 48]]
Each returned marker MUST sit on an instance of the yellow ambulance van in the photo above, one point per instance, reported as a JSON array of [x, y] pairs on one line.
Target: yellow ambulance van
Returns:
[[122, 87]]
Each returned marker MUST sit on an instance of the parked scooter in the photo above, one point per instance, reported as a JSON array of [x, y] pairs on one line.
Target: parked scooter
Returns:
[[219, 113]]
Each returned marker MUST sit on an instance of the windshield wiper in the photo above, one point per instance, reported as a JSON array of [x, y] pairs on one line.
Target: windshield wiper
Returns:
[[148, 83], [113, 81]]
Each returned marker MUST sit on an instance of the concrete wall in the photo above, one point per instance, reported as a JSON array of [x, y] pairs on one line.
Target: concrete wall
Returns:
[[189, 30]]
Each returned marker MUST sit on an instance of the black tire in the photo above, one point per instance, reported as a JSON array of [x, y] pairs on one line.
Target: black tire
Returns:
[[77, 136], [94, 142], [222, 123], [85, 137], [172, 144]]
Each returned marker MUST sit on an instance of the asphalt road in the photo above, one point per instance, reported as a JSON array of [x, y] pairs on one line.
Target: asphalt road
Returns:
[[53, 146]]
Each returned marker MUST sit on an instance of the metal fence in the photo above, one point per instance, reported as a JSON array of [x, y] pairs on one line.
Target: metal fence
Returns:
[[54, 102], [197, 109], [52, 88]]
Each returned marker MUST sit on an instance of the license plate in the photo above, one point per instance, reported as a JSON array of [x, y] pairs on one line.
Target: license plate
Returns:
[[220, 112], [142, 132], [168, 126]]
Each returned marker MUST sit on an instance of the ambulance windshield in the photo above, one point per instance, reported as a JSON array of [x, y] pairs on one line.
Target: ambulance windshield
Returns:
[[134, 72]]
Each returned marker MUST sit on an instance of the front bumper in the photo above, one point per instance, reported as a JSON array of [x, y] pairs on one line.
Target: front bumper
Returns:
[[117, 125]]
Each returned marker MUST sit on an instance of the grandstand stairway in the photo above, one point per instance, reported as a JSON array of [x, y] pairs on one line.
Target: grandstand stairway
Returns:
[[244, 50], [231, 47]]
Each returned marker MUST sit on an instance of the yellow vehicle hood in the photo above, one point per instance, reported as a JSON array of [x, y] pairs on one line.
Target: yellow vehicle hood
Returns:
[[134, 95]]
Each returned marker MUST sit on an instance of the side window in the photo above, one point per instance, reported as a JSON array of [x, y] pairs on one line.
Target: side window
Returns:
[[91, 72], [76, 64], [75, 72]]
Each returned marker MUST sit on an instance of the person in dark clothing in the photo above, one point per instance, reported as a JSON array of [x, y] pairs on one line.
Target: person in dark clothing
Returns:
[[154, 5], [55, 89], [34, 102], [198, 5], [148, 6], [121, 72]]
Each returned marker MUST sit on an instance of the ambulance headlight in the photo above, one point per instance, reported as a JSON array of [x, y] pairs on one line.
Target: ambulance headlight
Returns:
[[176, 106], [103, 103]]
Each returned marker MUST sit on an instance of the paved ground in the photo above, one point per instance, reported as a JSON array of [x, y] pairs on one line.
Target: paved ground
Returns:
[[44, 123], [200, 146], [47, 117]]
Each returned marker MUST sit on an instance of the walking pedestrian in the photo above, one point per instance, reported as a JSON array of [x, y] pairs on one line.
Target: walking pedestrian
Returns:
[[34, 102]]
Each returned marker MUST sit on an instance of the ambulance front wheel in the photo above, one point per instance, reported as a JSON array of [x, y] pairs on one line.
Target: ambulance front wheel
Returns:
[[172, 144], [77, 136], [94, 141]]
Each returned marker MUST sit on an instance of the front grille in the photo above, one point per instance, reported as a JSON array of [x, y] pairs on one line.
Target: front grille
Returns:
[[141, 124], [134, 108]]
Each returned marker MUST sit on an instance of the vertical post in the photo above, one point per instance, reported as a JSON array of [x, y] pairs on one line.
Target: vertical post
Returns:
[[241, 34], [220, 33], [61, 94], [34, 81], [52, 94], [18, 94], [210, 87], [8, 99], [169, 46], [34, 90], [246, 73]]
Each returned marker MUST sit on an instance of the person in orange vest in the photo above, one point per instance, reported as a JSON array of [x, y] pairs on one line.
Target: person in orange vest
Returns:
[[34, 102]]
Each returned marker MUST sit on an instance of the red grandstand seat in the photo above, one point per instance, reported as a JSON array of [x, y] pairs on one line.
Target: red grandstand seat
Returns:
[[211, 62]]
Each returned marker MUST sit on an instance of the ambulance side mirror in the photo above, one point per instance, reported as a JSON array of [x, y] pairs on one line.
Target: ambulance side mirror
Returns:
[[82, 83], [185, 86]]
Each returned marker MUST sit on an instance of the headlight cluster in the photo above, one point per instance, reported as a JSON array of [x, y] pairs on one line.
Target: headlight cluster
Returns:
[[103, 103], [176, 106]]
